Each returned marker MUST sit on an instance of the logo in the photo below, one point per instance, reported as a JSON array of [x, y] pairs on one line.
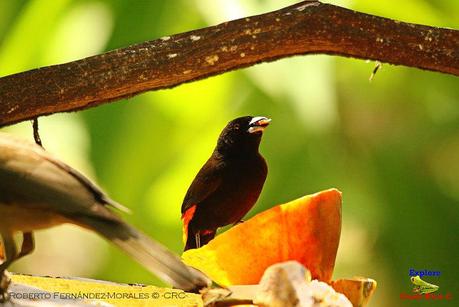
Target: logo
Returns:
[[421, 286], [423, 290]]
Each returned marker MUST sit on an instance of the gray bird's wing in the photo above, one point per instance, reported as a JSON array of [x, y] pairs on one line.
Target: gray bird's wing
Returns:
[[30, 175], [33, 182]]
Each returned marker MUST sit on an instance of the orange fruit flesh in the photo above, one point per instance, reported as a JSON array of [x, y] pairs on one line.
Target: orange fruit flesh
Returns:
[[306, 230]]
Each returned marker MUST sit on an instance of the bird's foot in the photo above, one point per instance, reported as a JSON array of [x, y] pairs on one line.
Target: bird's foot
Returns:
[[5, 281], [197, 237]]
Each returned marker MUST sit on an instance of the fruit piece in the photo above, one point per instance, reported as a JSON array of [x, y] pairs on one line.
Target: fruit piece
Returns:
[[358, 289], [283, 284], [306, 230]]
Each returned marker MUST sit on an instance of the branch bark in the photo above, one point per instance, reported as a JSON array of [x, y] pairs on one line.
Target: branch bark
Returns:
[[305, 28]]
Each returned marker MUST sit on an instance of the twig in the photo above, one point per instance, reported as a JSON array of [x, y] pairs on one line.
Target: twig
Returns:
[[378, 66], [36, 134]]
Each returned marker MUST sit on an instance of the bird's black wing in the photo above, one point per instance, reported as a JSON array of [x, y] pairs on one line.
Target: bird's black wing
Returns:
[[206, 182]]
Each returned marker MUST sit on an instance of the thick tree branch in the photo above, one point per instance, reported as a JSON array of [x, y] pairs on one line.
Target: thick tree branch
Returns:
[[305, 28]]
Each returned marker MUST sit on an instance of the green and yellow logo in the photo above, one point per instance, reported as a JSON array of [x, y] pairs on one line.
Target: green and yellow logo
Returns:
[[421, 286]]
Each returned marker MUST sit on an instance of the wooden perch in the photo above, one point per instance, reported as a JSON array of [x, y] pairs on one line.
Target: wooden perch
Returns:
[[80, 292], [308, 27], [283, 284]]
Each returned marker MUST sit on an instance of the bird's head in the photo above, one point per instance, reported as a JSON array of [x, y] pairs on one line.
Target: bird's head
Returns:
[[242, 134]]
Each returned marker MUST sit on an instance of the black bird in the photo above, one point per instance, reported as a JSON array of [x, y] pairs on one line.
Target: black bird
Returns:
[[38, 191], [229, 183]]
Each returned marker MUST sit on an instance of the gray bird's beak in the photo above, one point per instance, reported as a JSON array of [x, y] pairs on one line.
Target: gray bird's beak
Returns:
[[258, 124]]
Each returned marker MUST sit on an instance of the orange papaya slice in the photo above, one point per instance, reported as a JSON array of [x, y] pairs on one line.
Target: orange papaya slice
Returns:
[[306, 230]]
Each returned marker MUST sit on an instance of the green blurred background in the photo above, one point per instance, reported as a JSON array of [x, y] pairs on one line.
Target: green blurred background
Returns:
[[391, 146]]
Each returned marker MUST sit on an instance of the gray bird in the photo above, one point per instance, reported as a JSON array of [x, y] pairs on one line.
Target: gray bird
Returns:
[[38, 191]]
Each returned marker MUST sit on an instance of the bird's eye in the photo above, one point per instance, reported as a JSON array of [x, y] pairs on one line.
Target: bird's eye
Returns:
[[236, 127]]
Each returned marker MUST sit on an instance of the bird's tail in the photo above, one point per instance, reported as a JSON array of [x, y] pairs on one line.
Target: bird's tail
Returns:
[[152, 255]]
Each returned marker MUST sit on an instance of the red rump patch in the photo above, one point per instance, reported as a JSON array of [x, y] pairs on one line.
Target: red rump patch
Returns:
[[186, 218]]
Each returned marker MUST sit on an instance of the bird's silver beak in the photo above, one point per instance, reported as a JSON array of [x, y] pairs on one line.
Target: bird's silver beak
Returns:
[[258, 124]]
